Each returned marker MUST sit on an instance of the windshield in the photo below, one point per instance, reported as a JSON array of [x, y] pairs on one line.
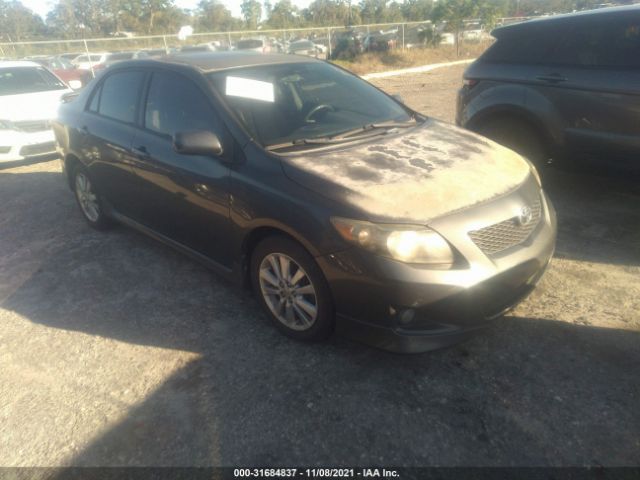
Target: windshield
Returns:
[[289, 102], [17, 80]]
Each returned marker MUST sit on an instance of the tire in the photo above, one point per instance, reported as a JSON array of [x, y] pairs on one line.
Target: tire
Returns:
[[516, 135], [305, 316], [89, 200]]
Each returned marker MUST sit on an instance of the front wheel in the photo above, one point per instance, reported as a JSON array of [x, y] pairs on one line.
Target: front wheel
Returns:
[[292, 289], [89, 200]]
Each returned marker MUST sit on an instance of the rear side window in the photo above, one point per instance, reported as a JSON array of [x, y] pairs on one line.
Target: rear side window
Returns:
[[531, 45], [176, 104], [119, 95], [614, 44]]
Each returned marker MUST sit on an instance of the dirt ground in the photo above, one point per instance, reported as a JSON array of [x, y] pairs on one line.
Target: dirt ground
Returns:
[[116, 350]]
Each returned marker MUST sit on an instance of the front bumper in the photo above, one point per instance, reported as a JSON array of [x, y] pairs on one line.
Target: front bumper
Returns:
[[16, 145], [410, 308]]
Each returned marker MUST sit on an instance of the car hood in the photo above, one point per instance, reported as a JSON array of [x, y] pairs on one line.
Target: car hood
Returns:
[[31, 106], [432, 170]]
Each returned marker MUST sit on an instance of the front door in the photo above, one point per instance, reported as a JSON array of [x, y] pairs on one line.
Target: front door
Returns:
[[183, 197]]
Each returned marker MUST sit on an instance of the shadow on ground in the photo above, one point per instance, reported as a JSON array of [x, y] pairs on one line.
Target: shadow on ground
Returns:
[[530, 391]]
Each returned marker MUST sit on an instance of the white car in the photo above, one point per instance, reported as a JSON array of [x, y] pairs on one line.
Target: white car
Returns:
[[29, 99], [86, 62]]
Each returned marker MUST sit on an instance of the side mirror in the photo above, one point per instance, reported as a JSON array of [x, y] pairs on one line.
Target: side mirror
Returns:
[[200, 142], [398, 98]]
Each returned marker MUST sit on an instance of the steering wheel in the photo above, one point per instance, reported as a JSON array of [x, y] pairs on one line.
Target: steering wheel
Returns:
[[314, 111]]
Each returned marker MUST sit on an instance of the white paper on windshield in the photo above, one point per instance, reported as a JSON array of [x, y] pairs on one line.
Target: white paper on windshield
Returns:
[[248, 88]]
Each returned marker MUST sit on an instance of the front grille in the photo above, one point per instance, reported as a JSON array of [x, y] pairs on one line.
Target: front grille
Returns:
[[33, 126], [500, 236], [38, 149]]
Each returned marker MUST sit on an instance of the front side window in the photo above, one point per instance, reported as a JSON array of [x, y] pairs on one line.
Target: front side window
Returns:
[[288, 102], [19, 80], [176, 104], [119, 95]]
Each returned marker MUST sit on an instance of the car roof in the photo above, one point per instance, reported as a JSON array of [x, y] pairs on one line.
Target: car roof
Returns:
[[18, 63], [213, 61], [567, 17]]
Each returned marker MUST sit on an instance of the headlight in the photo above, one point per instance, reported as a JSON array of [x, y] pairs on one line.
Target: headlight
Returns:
[[407, 243], [6, 125]]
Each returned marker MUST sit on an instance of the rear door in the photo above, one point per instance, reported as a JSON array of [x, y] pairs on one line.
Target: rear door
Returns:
[[593, 79], [183, 197], [106, 132]]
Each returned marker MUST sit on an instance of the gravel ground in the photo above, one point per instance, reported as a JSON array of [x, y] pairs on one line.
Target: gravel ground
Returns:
[[115, 350]]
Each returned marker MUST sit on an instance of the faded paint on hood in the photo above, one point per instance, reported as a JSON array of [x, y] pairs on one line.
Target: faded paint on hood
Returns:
[[431, 170]]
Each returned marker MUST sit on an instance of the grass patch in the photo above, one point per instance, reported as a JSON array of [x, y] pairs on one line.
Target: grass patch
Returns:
[[397, 59]]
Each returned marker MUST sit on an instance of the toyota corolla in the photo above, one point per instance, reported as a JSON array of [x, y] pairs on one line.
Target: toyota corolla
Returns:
[[343, 209]]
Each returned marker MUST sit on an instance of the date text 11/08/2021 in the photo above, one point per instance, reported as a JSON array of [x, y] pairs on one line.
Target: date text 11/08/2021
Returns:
[[315, 472]]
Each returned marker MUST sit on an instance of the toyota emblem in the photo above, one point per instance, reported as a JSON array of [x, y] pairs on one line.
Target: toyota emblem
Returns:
[[525, 216]]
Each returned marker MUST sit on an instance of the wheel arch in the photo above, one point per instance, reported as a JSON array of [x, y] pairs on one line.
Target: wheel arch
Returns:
[[71, 161], [259, 233]]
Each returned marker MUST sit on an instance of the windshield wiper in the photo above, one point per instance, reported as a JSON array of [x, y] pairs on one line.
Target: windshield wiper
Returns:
[[306, 141], [371, 129], [375, 126]]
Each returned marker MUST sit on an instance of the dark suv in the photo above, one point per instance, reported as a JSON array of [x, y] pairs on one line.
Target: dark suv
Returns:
[[563, 86]]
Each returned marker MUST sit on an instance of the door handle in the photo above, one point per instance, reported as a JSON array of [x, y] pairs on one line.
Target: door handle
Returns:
[[140, 152], [551, 78]]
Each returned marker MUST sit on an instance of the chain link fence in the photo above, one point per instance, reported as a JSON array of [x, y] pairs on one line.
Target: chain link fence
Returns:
[[331, 42]]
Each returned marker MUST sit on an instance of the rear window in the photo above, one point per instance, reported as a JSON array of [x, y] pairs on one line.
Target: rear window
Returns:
[[247, 44], [18, 80]]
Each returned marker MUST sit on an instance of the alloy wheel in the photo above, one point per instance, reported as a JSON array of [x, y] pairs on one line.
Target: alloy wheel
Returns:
[[288, 291], [87, 198]]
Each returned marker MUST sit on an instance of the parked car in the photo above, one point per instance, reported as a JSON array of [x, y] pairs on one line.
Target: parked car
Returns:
[[342, 207], [560, 87], [151, 53], [260, 45], [115, 57], [88, 61], [70, 56], [306, 47], [74, 77], [380, 42], [29, 98], [203, 47]]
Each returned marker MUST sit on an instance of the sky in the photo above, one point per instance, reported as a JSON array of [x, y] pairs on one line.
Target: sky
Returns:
[[42, 7]]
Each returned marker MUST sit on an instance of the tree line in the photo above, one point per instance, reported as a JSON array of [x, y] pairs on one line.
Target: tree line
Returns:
[[75, 19]]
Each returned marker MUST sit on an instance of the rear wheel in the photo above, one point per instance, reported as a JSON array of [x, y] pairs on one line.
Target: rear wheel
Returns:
[[292, 289], [517, 135], [89, 199]]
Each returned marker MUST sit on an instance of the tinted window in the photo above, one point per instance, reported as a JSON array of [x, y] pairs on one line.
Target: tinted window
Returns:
[[176, 104], [17, 80], [530, 45], [601, 44], [119, 95]]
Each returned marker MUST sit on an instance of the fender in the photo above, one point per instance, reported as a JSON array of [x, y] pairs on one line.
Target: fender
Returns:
[[519, 101]]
